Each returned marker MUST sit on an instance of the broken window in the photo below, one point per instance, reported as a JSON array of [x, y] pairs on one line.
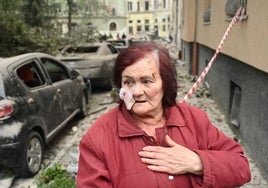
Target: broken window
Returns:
[[232, 6], [235, 101], [30, 75]]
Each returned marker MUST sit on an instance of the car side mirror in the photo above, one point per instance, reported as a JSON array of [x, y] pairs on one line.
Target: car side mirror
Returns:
[[74, 74]]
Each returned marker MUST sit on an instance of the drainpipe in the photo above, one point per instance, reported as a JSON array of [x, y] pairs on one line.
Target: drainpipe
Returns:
[[176, 22], [195, 46]]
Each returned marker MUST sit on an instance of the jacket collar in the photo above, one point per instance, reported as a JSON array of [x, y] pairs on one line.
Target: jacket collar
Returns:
[[128, 127]]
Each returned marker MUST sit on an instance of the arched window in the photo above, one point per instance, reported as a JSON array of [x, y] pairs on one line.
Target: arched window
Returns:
[[232, 6], [113, 26], [206, 15]]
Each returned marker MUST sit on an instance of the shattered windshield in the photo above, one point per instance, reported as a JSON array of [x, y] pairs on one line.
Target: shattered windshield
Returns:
[[83, 49]]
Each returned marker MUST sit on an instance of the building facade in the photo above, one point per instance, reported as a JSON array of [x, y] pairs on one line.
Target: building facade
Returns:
[[151, 17], [116, 17], [239, 75], [106, 16]]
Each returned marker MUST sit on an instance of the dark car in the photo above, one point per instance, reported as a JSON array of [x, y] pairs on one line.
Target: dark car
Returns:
[[95, 61], [38, 96]]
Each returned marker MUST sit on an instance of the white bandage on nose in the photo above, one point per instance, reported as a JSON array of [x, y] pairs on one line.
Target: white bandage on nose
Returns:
[[127, 97]]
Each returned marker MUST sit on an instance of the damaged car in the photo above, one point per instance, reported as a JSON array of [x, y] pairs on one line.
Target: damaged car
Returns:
[[95, 61], [119, 44], [39, 95]]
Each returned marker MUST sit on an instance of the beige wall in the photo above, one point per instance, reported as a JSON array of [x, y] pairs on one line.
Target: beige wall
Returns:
[[247, 41], [188, 20]]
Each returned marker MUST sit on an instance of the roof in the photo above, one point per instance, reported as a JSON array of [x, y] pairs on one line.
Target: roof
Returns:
[[7, 61]]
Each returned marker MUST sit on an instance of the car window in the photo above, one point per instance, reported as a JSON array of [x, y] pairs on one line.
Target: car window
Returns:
[[30, 75], [56, 71], [112, 49]]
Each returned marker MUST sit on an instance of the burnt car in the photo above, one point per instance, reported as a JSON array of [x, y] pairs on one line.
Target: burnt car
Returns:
[[95, 61], [119, 44], [38, 96]]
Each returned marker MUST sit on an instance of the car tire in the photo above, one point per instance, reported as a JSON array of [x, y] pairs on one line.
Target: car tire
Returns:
[[32, 156], [83, 107]]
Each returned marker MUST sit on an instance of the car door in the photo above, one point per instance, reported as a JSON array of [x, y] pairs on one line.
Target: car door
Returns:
[[67, 89], [40, 95]]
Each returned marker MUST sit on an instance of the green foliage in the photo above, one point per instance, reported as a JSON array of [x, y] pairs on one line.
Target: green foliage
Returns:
[[20, 36], [27, 26], [55, 177], [33, 12]]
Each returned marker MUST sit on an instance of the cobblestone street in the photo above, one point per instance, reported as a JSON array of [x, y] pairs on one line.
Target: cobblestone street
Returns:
[[65, 149]]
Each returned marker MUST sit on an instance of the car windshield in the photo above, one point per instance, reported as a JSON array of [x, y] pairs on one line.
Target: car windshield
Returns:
[[118, 43], [83, 49]]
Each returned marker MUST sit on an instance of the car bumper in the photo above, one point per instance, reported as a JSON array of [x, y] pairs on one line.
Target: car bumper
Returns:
[[9, 155], [11, 141]]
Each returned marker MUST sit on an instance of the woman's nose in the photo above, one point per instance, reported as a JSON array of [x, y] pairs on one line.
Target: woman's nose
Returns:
[[138, 90]]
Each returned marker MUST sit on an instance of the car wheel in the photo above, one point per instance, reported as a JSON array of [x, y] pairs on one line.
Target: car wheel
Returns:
[[83, 107], [32, 156]]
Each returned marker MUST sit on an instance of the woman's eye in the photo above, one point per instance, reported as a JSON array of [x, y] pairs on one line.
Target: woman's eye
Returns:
[[127, 82], [147, 81]]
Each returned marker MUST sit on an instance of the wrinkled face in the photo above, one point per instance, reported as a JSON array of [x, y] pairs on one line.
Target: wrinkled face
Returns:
[[143, 79]]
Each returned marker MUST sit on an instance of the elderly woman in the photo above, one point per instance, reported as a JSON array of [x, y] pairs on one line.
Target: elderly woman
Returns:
[[151, 141]]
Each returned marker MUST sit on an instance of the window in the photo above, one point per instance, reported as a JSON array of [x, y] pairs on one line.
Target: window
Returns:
[[139, 28], [55, 70], [232, 6], [89, 8], [130, 30], [129, 6], [30, 75], [164, 4], [156, 30], [206, 15], [113, 12], [155, 4], [130, 21], [146, 5], [138, 6], [164, 28], [112, 26], [57, 7], [147, 25], [235, 101]]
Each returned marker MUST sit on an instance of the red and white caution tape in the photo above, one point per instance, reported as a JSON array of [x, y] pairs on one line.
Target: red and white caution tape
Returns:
[[205, 71]]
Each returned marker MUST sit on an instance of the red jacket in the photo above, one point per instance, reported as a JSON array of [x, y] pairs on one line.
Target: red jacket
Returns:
[[109, 152]]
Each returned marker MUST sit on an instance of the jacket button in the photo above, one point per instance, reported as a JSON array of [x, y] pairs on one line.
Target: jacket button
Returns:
[[170, 177]]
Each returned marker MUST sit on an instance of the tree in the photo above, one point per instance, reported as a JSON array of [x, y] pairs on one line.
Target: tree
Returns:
[[33, 12]]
